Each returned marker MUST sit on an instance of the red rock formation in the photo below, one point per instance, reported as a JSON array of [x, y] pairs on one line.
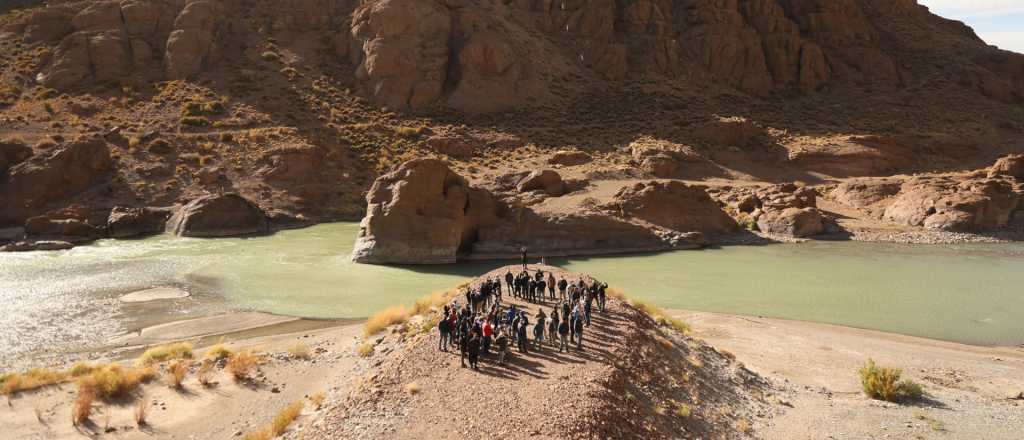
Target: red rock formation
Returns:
[[943, 203], [219, 216]]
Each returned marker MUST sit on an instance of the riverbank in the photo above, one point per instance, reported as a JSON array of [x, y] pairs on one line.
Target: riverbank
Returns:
[[810, 368], [971, 391]]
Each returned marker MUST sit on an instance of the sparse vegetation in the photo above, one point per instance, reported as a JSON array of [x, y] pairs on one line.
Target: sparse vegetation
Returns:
[[205, 373], [884, 383], [934, 424], [300, 351], [400, 314], [280, 424], [13, 383], [365, 349], [176, 373], [162, 353], [241, 364], [413, 388], [683, 410], [317, 400], [659, 316], [141, 411], [113, 380], [82, 408], [743, 425], [194, 121]]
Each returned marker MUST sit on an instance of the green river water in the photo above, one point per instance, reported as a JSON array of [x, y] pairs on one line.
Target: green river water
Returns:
[[964, 293]]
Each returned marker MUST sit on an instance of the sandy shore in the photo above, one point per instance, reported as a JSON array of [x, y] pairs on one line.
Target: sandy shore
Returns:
[[972, 392]]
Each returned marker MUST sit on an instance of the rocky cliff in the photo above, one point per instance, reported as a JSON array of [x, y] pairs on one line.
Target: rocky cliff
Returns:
[[300, 105]]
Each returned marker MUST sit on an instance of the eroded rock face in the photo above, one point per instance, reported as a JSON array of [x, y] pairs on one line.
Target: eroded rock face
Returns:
[[404, 53], [416, 214], [944, 203], [662, 159], [793, 222], [31, 186], [1010, 166], [127, 222], [863, 193], [569, 158], [219, 216], [672, 205], [12, 153]]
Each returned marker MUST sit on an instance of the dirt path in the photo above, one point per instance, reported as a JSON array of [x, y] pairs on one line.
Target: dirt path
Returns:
[[968, 388]]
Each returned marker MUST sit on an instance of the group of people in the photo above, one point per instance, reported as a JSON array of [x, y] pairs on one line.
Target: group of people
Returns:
[[484, 324]]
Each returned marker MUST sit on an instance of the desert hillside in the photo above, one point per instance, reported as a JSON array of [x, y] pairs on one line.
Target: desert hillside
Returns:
[[299, 105]]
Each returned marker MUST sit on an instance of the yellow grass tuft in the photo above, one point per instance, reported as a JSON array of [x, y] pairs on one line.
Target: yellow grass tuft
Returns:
[[317, 400], [683, 411], [390, 316], [365, 349], [181, 350], [884, 383], [80, 369], [659, 316], [176, 373], [280, 423], [413, 388], [82, 408], [743, 426], [241, 364], [13, 383], [113, 380], [300, 351], [219, 351], [205, 373], [141, 411]]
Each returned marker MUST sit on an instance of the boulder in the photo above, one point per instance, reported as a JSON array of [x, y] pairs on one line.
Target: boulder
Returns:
[[662, 158], [41, 245], [794, 222], [786, 195], [223, 215], [946, 203], [45, 226], [672, 205], [419, 214], [728, 131], [862, 193], [547, 181], [569, 158], [452, 146], [127, 222], [46, 25], [1009, 166], [45, 179]]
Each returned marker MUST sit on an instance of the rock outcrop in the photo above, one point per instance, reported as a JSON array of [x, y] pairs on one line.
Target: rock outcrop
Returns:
[[945, 203], [663, 159], [423, 213], [12, 152], [569, 158], [224, 215], [417, 214], [547, 181], [127, 222], [1008, 166], [32, 186], [672, 205], [793, 222]]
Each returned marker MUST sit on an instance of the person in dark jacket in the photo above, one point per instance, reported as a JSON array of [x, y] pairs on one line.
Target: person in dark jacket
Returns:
[[502, 344], [444, 327], [562, 284], [521, 340], [563, 335], [553, 326], [579, 334], [474, 350], [464, 348], [523, 251], [509, 279]]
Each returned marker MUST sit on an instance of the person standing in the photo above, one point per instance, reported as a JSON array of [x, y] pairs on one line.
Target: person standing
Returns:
[[551, 285], [562, 284], [444, 328], [487, 330], [553, 327], [524, 323], [474, 350], [509, 279], [601, 295], [464, 348], [522, 250], [538, 329], [502, 344], [563, 334], [579, 334]]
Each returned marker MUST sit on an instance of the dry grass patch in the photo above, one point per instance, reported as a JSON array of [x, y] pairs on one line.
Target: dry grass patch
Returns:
[[280, 424], [82, 408], [181, 350], [300, 351], [683, 411], [219, 351], [390, 316], [317, 400], [365, 349], [659, 316], [176, 373], [884, 383], [13, 383], [413, 388], [113, 380], [241, 364], [743, 426]]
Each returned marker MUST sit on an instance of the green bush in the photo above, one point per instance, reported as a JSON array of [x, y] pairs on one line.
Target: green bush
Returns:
[[884, 383]]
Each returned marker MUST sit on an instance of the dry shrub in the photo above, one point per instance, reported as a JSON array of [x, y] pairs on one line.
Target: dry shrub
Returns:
[[743, 426], [141, 411], [82, 408], [32, 379], [683, 410], [258, 435], [219, 351], [241, 364], [365, 349], [659, 316], [300, 351], [205, 373], [181, 350], [884, 383], [317, 400], [613, 292], [386, 318], [413, 388], [80, 369], [285, 418], [176, 373], [113, 380]]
